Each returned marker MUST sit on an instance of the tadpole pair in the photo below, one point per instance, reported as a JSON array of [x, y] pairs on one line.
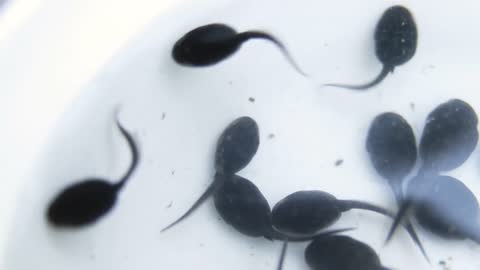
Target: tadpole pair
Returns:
[[306, 212], [441, 204], [85, 202], [395, 44]]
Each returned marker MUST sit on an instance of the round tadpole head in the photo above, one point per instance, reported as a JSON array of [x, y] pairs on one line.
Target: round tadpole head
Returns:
[[82, 203], [237, 145], [205, 45], [391, 146], [444, 205], [305, 212], [395, 37], [241, 204], [449, 137], [341, 252]]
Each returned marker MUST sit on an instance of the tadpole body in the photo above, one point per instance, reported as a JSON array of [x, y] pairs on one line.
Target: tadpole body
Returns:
[[395, 39], [341, 252], [236, 147], [212, 43], [241, 204], [449, 137], [392, 149], [85, 202]]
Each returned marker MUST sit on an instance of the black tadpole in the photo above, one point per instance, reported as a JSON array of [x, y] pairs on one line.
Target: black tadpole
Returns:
[[395, 44], [212, 43], [85, 202]]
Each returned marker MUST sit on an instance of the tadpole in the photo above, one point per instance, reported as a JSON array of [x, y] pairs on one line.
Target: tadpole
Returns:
[[212, 43], [395, 43], [87, 201]]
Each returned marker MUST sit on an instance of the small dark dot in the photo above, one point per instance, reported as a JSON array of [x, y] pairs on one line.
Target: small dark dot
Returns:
[[442, 262], [164, 115], [169, 205], [251, 99], [271, 136], [412, 106], [230, 82], [202, 245], [338, 162], [173, 172]]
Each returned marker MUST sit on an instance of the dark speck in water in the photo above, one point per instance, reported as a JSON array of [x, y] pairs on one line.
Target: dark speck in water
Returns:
[[169, 205], [251, 99], [271, 136], [412, 106], [338, 162], [164, 115]]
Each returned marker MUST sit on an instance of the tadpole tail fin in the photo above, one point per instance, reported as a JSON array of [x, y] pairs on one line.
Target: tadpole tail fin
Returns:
[[263, 35], [374, 82], [206, 194], [352, 204], [134, 152], [276, 235], [402, 212], [282, 255]]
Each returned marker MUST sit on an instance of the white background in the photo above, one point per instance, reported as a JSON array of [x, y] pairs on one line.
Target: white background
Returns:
[[117, 52]]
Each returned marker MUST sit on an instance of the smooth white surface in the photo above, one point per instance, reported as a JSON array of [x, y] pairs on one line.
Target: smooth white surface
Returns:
[[313, 127]]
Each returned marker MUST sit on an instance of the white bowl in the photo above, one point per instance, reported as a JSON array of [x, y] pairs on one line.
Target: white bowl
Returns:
[[59, 128]]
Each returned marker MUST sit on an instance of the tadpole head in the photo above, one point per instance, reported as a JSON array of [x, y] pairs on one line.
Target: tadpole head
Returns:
[[242, 205], [237, 145], [449, 137], [82, 204], [305, 212], [340, 252], [396, 36], [391, 146]]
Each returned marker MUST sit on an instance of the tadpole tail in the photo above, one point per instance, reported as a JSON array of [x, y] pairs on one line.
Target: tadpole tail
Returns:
[[206, 194], [282, 255], [135, 155], [276, 235], [263, 35], [352, 204], [377, 80], [402, 212]]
